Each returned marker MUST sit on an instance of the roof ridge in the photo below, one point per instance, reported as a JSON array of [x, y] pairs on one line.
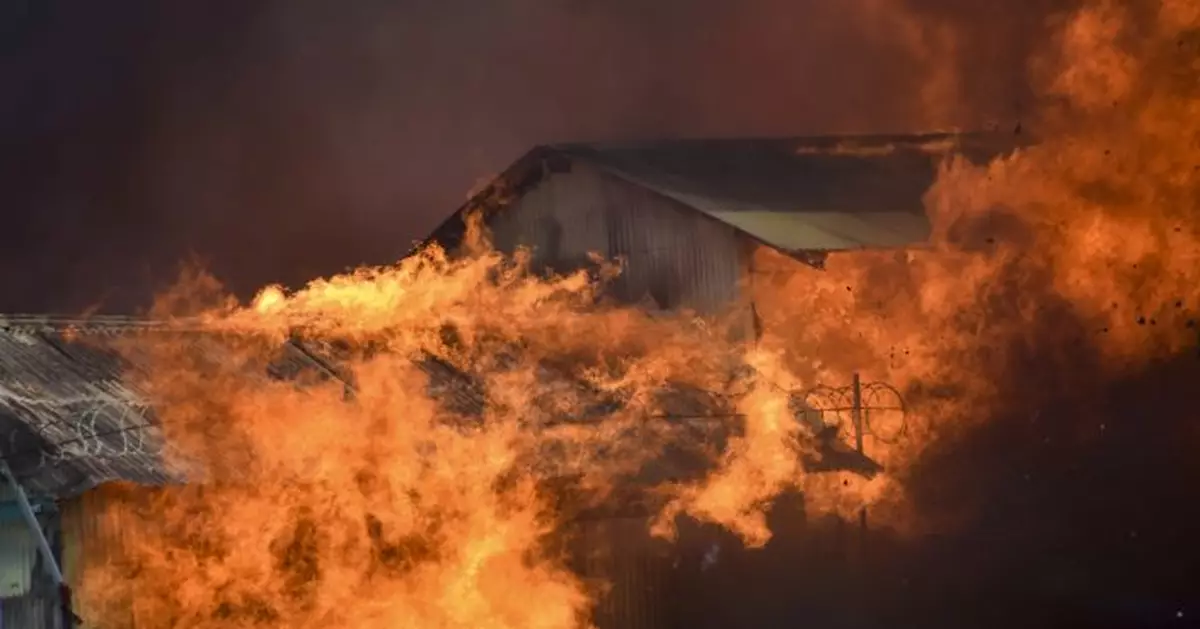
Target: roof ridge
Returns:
[[50, 323], [881, 138]]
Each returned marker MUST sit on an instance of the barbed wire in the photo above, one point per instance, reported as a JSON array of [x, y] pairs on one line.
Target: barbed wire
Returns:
[[97, 424], [104, 430], [107, 419], [824, 403]]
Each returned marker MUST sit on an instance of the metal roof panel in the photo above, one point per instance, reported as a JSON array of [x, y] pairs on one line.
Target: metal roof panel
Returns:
[[796, 194]]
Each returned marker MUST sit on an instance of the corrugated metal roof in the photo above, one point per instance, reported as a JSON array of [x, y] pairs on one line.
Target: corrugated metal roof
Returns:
[[70, 421], [799, 195], [796, 194]]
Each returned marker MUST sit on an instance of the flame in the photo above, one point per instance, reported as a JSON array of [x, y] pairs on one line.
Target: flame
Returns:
[[365, 500], [1089, 235]]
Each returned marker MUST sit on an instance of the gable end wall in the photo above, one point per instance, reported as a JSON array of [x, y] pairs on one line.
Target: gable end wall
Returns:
[[674, 256]]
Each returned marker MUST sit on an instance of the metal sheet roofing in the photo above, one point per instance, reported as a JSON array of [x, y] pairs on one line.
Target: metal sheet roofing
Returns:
[[70, 421], [799, 195], [67, 419], [796, 194]]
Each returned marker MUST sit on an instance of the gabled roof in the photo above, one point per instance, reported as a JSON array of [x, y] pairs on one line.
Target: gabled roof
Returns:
[[799, 195], [70, 421]]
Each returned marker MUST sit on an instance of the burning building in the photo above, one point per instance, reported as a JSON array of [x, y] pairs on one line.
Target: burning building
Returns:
[[705, 226], [688, 220], [687, 217]]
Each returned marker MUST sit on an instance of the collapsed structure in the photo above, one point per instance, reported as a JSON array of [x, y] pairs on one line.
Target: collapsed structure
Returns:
[[684, 217]]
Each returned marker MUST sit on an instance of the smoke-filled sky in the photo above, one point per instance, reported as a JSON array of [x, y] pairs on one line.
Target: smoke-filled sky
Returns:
[[279, 140]]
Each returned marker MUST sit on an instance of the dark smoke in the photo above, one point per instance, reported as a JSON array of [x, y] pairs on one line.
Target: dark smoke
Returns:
[[283, 140]]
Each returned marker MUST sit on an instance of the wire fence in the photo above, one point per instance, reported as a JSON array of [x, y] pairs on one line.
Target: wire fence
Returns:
[[881, 407], [109, 431]]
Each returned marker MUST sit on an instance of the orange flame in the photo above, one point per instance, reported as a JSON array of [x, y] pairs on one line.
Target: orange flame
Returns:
[[391, 509]]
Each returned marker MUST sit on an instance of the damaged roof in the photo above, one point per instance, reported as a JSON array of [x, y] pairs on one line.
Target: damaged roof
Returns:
[[69, 420], [798, 195]]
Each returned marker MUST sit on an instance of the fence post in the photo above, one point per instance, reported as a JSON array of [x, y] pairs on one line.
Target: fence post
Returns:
[[859, 433]]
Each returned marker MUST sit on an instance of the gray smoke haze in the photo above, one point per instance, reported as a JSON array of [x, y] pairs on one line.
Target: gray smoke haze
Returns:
[[283, 140]]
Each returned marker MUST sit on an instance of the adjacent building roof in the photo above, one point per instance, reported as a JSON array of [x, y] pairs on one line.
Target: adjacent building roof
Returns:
[[69, 420], [66, 418], [799, 195]]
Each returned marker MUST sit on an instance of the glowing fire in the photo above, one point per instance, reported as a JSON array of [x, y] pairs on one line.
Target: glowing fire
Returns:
[[371, 504]]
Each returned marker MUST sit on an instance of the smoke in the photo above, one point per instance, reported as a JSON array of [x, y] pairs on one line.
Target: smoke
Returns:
[[1045, 342], [285, 140]]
